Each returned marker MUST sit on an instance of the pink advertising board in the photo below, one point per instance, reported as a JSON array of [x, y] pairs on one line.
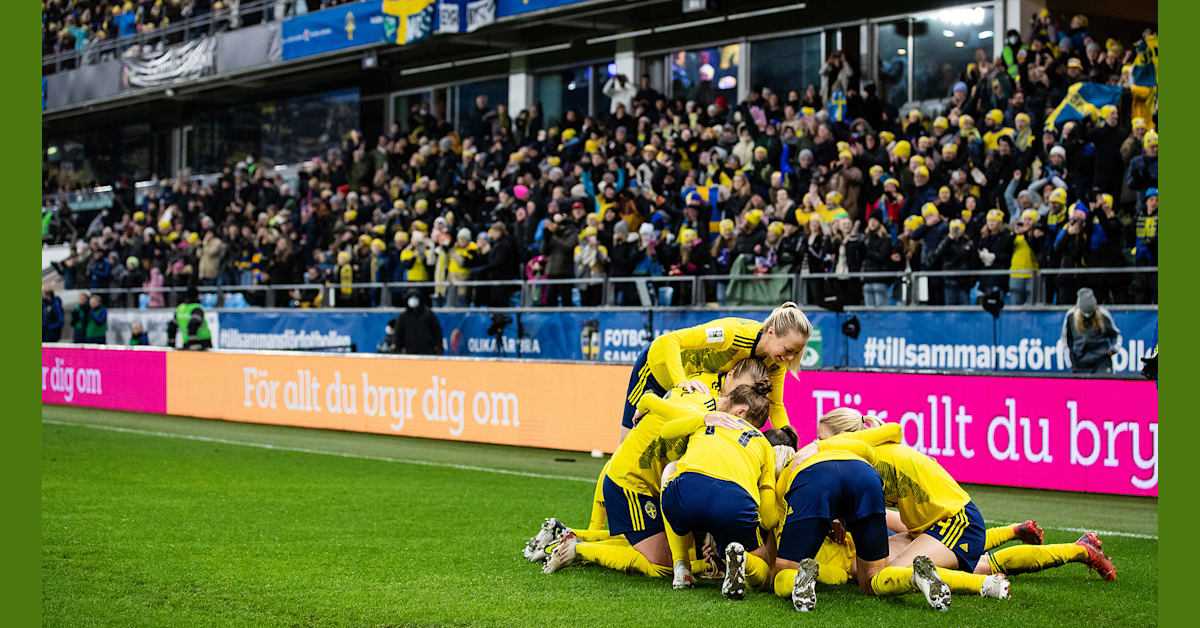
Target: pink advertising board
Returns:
[[111, 378], [1094, 436]]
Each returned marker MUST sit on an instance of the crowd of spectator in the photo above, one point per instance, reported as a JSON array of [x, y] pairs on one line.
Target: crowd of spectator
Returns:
[[75, 24], [777, 186]]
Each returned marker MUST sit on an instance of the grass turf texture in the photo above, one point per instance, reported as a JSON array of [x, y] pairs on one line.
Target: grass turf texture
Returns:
[[146, 530]]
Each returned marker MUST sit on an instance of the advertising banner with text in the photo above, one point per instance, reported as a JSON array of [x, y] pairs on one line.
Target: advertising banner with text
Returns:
[[1093, 436], [97, 377], [531, 404]]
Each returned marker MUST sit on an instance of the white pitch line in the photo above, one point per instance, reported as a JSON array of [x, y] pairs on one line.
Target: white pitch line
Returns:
[[443, 465]]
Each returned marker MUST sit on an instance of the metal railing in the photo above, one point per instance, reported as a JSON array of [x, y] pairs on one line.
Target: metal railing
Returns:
[[902, 289], [208, 23]]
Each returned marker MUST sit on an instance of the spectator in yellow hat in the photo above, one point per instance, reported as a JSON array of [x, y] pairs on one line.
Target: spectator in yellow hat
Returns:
[[1143, 170]]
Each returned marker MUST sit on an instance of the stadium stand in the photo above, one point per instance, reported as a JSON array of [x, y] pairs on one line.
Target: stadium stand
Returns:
[[1041, 159]]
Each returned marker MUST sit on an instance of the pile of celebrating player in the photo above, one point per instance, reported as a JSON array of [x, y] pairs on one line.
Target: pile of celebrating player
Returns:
[[700, 487]]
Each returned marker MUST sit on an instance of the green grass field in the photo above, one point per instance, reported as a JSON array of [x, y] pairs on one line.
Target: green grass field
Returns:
[[156, 521]]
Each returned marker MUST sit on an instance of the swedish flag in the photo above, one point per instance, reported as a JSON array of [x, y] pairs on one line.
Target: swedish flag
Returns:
[[1083, 99], [408, 21]]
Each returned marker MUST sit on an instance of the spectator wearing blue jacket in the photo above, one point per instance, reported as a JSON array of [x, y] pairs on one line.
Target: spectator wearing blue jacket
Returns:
[[931, 235], [52, 316]]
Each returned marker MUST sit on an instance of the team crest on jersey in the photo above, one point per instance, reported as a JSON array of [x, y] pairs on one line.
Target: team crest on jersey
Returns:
[[651, 511], [715, 335]]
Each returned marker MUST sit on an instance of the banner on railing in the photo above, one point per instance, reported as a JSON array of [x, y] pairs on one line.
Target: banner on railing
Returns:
[[181, 62], [1093, 436], [1023, 341], [335, 28]]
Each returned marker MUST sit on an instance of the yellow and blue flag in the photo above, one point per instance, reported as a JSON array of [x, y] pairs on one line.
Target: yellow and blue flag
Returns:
[[1083, 99], [408, 21]]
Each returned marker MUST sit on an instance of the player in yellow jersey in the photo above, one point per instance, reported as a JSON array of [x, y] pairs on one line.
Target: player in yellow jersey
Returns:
[[941, 520], [724, 484], [630, 486], [674, 358], [818, 487], [631, 458]]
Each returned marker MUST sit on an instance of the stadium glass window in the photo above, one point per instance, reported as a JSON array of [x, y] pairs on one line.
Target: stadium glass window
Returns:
[[944, 42], [891, 42], [563, 90], [496, 91], [787, 63], [703, 74]]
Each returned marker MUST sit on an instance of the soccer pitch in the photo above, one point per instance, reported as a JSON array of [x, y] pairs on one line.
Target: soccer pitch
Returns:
[[158, 521]]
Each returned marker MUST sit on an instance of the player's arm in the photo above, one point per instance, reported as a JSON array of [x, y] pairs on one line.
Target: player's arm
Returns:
[[673, 409], [779, 414], [768, 508], [886, 434], [666, 349], [856, 447]]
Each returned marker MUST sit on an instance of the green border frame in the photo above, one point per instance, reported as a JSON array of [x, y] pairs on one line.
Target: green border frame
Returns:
[[20, 119]]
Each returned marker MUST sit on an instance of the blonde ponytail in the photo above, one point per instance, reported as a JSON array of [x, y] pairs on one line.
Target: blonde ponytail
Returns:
[[839, 420]]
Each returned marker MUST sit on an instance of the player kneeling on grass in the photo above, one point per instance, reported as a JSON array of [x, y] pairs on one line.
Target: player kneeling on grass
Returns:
[[724, 484], [941, 520], [819, 487], [630, 490]]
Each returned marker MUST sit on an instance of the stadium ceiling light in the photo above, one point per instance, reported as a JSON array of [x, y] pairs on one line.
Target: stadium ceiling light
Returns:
[[947, 33], [961, 17], [901, 51], [959, 44], [678, 27], [537, 51], [427, 68], [616, 36], [986, 34], [771, 11]]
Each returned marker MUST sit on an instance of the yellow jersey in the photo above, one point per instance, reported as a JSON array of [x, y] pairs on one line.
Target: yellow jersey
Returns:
[[638, 462], [714, 347], [742, 456], [913, 483]]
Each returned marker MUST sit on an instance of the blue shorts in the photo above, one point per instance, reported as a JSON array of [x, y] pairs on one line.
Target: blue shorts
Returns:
[[633, 515], [846, 490], [693, 502], [965, 533], [640, 381]]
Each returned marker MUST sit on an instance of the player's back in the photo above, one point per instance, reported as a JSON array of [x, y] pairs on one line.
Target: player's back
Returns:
[[920, 488], [638, 462], [735, 455]]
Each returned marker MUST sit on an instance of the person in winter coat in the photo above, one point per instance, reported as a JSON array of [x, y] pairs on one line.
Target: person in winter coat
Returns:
[[560, 238], [931, 234], [956, 253], [416, 331], [878, 256], [995, 250], [52, 316], [1091, 335]]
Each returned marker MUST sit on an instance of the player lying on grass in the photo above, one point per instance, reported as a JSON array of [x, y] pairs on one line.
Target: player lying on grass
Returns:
[[639, 464], [818, 487], [723, 484], [939, 519], [631, 484], [675, 358]]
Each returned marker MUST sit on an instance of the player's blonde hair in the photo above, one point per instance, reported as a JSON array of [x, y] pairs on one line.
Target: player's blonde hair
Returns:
[[788, 318], [843, 419]]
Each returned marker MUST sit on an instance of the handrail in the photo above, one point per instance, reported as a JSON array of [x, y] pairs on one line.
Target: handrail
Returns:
[[645, 287]]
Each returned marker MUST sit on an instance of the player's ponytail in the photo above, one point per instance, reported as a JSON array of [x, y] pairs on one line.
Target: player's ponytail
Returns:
[[754, 371], [758, 407], [786, 319]]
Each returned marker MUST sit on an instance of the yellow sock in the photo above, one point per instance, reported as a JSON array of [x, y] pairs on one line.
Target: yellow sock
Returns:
[[593, 535], [784, 580], [620, 558], [683, 548], [999, 536], [893, 581], [1027, 558], [599, 517], [961, 581], [700, 566], [757, 571], [831, 574]]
